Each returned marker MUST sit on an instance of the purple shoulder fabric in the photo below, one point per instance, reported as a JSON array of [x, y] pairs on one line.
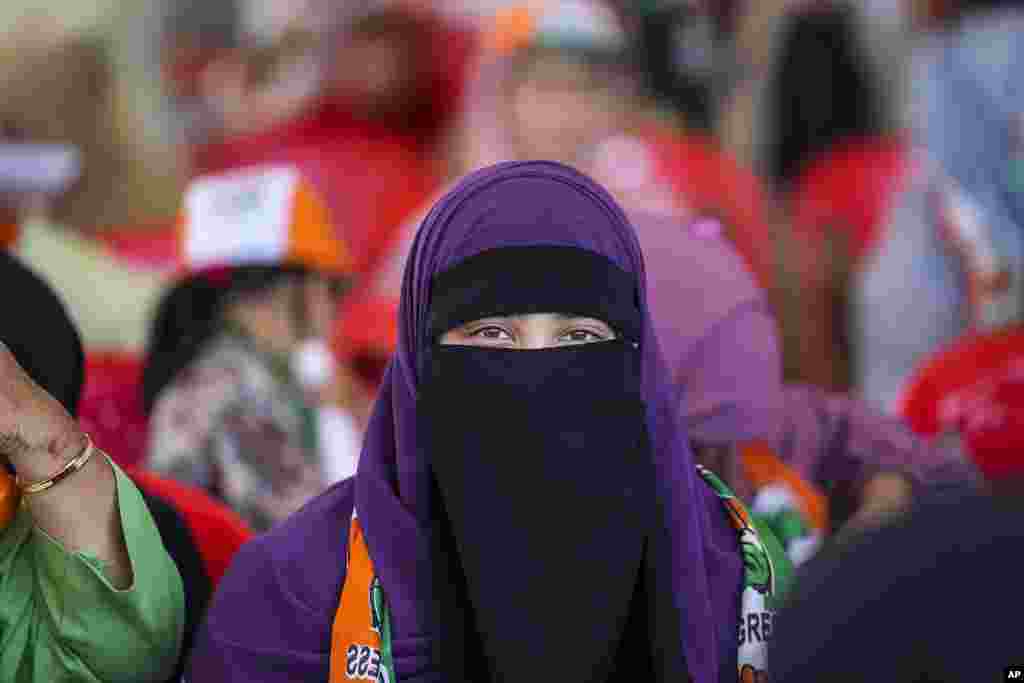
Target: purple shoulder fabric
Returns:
[[840, 442], [271, 618]]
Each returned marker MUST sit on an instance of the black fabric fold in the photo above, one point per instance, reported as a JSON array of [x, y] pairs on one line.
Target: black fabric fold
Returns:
[[535, 279]]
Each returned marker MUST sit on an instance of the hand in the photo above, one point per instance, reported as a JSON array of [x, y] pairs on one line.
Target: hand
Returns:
[[883, 496], [39, 438], [36, 433]]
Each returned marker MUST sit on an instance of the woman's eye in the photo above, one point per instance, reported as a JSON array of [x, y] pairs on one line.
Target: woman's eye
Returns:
[[581, 337], [491, 333]]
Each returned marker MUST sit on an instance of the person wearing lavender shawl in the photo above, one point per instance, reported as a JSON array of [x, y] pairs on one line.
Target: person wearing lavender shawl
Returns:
[[720, 342], [526, 504]]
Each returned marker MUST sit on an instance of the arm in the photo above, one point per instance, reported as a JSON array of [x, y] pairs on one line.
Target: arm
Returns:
[[39, 438], [871, 460], [89, 593], [811, 296]]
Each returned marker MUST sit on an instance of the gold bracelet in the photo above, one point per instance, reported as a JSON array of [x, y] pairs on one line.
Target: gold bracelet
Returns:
[[73, 466]]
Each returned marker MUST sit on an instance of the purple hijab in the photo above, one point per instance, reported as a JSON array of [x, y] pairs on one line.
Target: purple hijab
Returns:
[[526, 204]]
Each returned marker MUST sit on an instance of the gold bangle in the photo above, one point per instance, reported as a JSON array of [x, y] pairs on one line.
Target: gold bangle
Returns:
[[70, 468]]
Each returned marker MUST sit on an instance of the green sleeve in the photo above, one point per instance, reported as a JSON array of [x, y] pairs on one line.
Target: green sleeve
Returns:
[[62, 620]]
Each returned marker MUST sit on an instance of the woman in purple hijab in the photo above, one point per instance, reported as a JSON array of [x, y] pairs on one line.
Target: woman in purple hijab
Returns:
[[526, 500]]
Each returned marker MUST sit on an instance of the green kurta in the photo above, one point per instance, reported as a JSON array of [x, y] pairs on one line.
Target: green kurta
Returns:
[[62, 620]]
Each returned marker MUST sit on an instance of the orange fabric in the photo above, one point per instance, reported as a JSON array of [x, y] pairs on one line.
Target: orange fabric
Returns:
[[8, 234], [312, 238], [179, 228], [353, 622], [219, 532], [763, 468], [9, 499], [513, 28], [749, 674]]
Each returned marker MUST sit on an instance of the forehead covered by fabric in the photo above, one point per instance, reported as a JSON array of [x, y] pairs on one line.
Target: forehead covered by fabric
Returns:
[[531, 204], [535, 279]]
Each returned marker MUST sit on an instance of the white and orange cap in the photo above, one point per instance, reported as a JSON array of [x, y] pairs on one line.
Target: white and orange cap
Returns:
[[258, 216], [584, 24]]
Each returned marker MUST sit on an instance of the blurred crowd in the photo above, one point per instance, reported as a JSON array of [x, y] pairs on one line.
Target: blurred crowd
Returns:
[[829, 195]]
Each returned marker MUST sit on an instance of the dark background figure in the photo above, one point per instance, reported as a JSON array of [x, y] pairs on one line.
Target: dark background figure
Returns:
[[685, 50], [824, 91], [932, 597]]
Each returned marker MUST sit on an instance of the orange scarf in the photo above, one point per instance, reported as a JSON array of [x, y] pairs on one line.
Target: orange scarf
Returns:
[[361, 635], [763, 468], [9, 499]]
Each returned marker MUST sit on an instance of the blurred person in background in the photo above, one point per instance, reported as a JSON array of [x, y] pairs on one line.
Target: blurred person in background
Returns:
[[560, 81], [90, 593], [786, 77], [824, 90], [357, 97], [239, 379], [688, 54], [780, 82], [71, 171], [77, 186], [416, 61], [749, 37], [826, 456], [944, 250]]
